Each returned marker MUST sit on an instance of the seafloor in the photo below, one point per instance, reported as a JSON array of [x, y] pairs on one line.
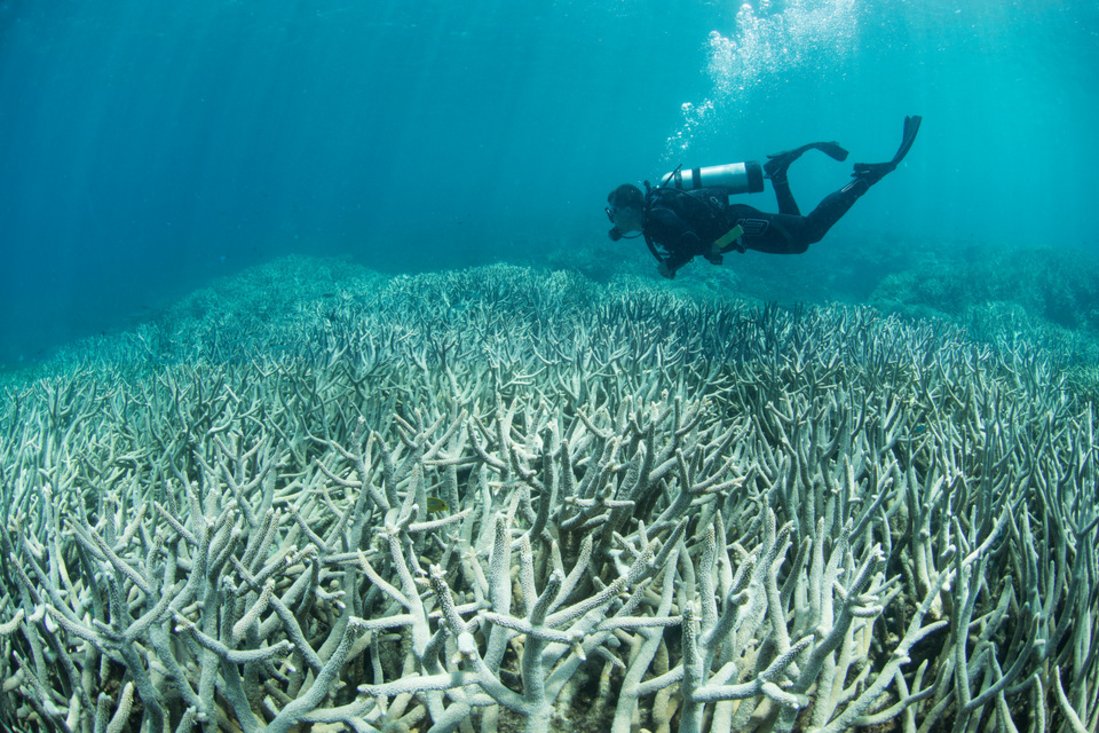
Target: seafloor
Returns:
[[314, 497]]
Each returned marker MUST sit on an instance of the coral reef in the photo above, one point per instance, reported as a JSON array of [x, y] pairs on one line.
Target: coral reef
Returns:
[[1053, 289], [500, 499], [1058, 286]]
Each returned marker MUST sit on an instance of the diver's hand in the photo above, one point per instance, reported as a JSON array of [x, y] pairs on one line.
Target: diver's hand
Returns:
[[665, 271]]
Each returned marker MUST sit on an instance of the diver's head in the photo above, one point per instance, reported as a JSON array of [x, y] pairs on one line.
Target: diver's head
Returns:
[[626, 210]]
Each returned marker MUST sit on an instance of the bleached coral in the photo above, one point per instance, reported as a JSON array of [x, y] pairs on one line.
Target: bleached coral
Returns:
[[494, 497]]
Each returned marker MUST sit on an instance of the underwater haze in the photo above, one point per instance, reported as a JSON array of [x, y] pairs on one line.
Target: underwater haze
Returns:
[[149, 147], [327, 402]]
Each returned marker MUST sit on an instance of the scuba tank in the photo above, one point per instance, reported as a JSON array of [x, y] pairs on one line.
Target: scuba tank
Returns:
[[734, 178]]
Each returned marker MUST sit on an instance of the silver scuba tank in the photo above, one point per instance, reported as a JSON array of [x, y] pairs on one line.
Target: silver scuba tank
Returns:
[[746, 177]]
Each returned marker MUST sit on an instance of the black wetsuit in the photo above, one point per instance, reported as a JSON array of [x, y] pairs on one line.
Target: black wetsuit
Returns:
[[682, 224]]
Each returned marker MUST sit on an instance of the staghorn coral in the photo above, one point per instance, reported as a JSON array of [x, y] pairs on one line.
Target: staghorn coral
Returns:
[[496, 498], [1055, 285]]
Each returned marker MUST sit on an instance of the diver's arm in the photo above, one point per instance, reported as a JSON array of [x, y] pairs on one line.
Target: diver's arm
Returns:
[[689, 245], [680, 240]]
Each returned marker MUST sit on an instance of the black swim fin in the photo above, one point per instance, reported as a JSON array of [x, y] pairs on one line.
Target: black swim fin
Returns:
[[776, 164], [871, 173], [833, 150], [911, 127]]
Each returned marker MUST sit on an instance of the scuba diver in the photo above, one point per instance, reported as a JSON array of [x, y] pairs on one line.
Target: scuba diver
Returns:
[[688, 214]]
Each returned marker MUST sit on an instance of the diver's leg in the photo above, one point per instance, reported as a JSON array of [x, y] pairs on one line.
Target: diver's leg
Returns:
[[779, 234], [785, 197], [835, 205], [777, 165], [790, 234], [829, 211]]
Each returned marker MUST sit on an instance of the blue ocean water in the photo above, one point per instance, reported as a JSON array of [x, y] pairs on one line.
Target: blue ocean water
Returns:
[[148, 147]]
